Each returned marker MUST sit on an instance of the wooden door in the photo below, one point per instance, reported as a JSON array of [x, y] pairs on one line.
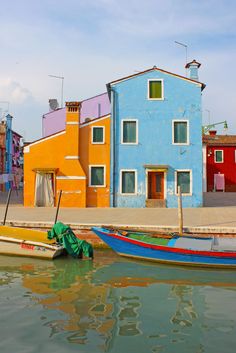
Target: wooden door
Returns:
[[156, 185]]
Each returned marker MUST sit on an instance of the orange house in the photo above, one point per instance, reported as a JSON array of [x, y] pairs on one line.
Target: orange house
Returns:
[[75, 161]]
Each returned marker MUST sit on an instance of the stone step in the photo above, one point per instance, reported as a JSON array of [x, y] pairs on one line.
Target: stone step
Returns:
[[155, 203]]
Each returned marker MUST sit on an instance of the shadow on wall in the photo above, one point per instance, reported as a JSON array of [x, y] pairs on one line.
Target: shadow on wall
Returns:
[[219, 199]]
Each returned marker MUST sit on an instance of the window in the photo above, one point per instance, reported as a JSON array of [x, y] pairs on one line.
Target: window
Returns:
[[98, 134], [183, 179], [128, 181], [97, 175], [155, 89], [219, 156], [180, 133], [129, 131]]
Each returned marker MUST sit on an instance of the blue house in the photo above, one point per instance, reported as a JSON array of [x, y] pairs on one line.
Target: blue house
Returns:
[[156, 139]]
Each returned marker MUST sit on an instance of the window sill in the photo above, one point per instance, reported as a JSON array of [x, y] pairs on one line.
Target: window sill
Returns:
[[97, 186]]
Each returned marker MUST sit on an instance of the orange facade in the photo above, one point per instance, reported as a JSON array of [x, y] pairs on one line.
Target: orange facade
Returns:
[[71, 161]]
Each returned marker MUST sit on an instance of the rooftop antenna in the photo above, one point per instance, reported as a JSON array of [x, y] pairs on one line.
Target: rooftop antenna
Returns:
[[186, 52], [62, 84]]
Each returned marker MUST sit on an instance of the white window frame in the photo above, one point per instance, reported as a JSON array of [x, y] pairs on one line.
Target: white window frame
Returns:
[[122, 130], [162, 89], [173, 132], [90, 175], [191, 182], [222, 156], [103, 132], [135, 181]]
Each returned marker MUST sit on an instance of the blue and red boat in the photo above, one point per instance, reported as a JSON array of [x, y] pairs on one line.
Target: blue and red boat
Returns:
[[172, 249]]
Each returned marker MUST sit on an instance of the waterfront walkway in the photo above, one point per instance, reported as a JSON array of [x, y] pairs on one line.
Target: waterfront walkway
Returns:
[[206, 219]]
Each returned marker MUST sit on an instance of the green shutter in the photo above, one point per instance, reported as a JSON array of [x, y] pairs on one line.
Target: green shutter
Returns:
[[97, 134], [180, 132], [155, 89], [97, 176], [183, 180], [129, 132], [128, 182]]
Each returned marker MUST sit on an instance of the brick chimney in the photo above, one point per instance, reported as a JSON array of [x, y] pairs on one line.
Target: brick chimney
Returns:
[[72, 129], [193, 67], [212, 132]]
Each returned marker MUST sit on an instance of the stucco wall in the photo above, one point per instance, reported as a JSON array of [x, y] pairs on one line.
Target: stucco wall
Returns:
[[182, 101], [91, 108], [227, 167]]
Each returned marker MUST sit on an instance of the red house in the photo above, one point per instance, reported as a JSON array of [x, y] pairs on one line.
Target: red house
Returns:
[[219, 156]]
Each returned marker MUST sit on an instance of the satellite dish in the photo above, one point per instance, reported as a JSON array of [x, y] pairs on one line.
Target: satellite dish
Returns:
[[53, 104]]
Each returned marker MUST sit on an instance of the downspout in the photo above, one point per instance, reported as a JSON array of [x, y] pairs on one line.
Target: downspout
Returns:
[[113, 120]]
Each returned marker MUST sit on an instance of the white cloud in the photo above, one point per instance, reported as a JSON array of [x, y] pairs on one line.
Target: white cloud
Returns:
[[13, 92], [93, 42]]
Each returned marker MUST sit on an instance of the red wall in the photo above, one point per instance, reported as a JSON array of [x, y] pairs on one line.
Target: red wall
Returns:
[[228, 167]]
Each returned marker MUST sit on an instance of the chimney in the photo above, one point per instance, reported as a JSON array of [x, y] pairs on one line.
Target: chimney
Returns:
[[72, 129], [193, 67], [212, 132]]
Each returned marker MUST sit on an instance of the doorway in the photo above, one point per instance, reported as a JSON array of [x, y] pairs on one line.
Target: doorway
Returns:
[[44, 195], [156, 185]]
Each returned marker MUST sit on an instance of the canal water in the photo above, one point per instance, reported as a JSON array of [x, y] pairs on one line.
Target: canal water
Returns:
[[114, 305]]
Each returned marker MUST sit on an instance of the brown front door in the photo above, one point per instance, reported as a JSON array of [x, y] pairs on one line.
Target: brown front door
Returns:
[[156, 185]]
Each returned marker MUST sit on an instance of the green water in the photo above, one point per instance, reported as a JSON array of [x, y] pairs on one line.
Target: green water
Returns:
[[114, 305]]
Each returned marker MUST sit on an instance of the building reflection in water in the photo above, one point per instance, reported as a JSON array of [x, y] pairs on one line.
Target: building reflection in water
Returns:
[[105, 302]]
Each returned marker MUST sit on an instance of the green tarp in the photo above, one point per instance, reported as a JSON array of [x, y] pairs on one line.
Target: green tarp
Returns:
[[75, 247], [148, 239]]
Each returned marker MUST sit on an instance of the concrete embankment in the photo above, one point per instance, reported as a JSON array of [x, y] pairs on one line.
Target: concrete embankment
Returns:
[[214, 220]]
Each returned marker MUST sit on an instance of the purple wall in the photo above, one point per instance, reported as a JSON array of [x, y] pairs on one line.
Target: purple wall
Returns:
[[54, 121], [92, 108], [95, 107]]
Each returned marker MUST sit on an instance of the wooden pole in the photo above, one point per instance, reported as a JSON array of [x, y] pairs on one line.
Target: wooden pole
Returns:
[[7, 204], [14, 177], [58, 206], [180, 211]]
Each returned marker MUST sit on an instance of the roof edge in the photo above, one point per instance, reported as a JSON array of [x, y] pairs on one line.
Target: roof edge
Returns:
[[156, 69]]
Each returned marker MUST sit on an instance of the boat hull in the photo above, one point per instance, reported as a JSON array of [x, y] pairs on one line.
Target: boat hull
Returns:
[[127, 247], [18, 247]]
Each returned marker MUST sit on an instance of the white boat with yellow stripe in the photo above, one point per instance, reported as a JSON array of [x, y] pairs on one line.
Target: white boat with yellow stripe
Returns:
[[16, 241]]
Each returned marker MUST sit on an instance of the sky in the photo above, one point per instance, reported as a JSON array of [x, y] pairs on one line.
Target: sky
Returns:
[[93, 42]]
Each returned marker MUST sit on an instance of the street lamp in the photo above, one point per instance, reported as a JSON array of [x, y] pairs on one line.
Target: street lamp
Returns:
[[186, 51], [62, 83]]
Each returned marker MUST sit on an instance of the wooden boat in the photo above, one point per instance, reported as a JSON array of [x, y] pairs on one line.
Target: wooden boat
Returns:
[[171, 249], [26, 242]]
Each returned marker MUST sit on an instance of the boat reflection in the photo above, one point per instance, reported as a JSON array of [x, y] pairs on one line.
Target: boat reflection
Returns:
[[111, 299]]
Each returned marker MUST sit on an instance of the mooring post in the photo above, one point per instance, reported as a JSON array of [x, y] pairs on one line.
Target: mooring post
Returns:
[[180, 211], [7, 204], [58, 206]]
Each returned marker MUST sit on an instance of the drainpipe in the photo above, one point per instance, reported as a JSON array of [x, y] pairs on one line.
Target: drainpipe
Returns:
[[113, 152]]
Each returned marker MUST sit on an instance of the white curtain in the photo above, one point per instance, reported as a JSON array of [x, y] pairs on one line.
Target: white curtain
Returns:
[[43, 190]]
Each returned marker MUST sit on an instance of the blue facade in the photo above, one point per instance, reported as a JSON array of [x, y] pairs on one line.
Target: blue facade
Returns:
[[155, 150]]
